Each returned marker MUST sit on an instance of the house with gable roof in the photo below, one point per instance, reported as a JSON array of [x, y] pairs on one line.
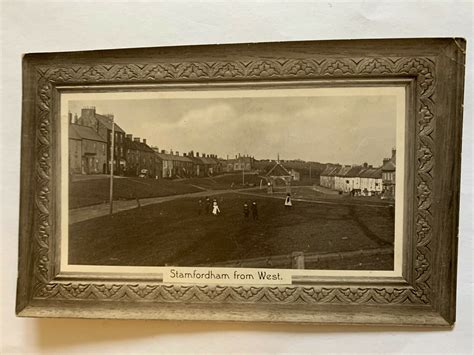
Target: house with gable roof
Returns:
[[87, 150], [102, 124]]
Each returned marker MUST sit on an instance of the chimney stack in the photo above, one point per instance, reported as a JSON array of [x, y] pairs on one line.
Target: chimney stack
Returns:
[[177, 153], [69, 117], [163, 151], [197, 154], [129, 136], [88, 112], [136, 139], [144, 140], [76, 119]]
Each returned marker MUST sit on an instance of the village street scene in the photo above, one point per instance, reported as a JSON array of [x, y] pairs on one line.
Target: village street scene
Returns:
[[171, 207]]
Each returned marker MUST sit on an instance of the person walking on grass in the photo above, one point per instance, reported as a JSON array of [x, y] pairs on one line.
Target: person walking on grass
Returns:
[[215, 208], [288, 203], [208, 205], [246, 210], [254, 210], [200, 207]]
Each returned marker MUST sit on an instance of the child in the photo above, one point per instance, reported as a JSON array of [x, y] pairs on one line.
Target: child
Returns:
[[288, 203], [246, 210], [254, 210], [208, 205], [200, 208], [215, 208]]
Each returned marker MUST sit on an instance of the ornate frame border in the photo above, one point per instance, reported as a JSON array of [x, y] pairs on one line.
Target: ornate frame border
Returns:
[[422, 70]]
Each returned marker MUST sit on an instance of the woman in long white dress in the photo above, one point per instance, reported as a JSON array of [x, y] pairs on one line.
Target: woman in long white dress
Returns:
[[288, 203], [215, 208]]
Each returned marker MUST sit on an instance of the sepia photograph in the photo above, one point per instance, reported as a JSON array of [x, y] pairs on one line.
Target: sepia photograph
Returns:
[[307, 178]]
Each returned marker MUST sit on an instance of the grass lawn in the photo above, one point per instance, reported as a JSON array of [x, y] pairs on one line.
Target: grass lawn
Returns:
[[225, 181], [174, 233], [94, 191], [310, 193]]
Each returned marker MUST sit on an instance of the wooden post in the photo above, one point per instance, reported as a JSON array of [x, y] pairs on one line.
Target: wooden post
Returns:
[[297, 260]]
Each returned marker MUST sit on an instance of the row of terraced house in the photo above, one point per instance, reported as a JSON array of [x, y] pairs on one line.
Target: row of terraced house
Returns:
[[362, 180], [90, 142]]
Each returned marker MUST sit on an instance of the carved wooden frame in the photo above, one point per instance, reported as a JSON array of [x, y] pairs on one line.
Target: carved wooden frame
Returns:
[[433, 70]]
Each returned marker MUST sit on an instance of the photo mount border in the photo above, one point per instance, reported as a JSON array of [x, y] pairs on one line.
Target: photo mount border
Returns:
[[415, 301]]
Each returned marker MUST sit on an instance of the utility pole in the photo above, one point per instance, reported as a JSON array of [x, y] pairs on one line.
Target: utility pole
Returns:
[[112, 150]]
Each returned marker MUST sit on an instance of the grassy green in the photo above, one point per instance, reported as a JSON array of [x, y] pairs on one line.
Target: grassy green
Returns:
[[177, 233]]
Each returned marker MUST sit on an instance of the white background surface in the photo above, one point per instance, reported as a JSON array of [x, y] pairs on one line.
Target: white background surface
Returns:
[[64, 26]]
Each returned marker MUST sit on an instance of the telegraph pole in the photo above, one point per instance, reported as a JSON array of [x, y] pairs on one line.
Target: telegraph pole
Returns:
[[112, 150]]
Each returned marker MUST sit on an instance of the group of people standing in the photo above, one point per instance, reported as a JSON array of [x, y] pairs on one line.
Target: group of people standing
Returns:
[[208, 207], [212, 207], [252, 209]]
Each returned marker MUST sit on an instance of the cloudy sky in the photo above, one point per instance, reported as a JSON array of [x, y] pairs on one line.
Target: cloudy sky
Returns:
[[338, 129]]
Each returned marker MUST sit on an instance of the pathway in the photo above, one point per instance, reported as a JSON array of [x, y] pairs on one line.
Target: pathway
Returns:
[[84, 213], [319, 201]]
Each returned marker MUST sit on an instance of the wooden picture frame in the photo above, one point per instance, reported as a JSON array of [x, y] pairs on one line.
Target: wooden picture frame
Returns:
[[432, 71]]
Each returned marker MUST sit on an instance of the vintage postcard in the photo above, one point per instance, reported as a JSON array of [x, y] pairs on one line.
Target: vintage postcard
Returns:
[[311, 181], [307, 179]]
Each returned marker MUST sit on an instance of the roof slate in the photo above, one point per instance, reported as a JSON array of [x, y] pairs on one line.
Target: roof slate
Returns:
[[278, 170], [389, 166], [173, 157], [84, 132], [354, 171], [107, 122]]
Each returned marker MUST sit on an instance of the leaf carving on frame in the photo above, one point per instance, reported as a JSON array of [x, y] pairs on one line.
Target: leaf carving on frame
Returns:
[[338, 67], [374, 66], [421, 68], [192, 71], [302, 68], [229, 70], [160, 72], [264, 69], [212, 291]]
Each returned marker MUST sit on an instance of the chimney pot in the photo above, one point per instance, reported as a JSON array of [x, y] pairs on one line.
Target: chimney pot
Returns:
[[136, 139], [144, 140]]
